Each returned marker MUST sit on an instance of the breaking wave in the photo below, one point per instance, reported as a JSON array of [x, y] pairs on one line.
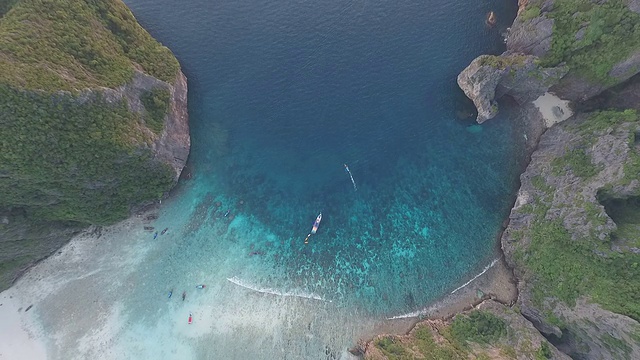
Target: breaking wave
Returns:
[[430, 309], [294, 293], [477, 276]]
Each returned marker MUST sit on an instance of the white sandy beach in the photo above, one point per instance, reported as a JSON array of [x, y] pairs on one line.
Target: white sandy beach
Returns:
[[97, 298], [553, 109], [18, 341], [88, 304]]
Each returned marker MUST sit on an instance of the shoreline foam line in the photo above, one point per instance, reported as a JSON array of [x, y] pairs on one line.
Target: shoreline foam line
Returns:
[[432, 308], [477, 276], [418, 313], [243, 284]]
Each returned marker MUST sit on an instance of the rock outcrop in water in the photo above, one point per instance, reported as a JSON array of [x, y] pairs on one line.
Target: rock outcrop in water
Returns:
[[572, 237], [94, 123], [574, 49], [489, 77]]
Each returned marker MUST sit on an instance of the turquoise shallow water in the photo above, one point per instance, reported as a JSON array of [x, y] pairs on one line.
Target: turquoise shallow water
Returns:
[[281, 95]]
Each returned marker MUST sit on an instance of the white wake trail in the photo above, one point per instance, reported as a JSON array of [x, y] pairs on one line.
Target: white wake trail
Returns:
[[351, 176]]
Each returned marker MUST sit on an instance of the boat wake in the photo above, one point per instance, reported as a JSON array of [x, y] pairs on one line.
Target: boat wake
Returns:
[[477, 276], [295, 293]]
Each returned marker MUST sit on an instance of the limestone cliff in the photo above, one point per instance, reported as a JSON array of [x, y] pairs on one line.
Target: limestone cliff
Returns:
[[573, 236], [574, 48], [94, 122], [489, 77]]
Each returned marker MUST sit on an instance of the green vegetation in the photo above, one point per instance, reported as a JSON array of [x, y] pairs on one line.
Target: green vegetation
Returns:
[[566, 266], [530, 12], [68, 156], [611, 34], [73, 156], [635, 334], [544, 352], [481, 327], [566, 269], [577, 161], [156, 102], [539, 183], [632, 167], [5, 5], [616, 345], [502, 62], [429, 349], [63, 161], [421, 345], [603, 120], [479, 333], [75, 44], [391, 349]]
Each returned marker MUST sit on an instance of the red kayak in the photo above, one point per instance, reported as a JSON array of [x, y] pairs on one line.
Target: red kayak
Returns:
[[190, 318]]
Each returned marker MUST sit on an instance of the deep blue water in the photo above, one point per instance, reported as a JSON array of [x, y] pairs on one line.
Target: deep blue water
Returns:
[[283, 93]]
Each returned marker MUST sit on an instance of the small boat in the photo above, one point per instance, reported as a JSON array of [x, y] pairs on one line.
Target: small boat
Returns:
[[190, 318], [316, 224]]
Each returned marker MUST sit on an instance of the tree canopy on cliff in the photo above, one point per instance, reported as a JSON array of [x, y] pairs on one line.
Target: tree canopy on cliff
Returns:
[[77, 154], [74, 44], [591, 37]]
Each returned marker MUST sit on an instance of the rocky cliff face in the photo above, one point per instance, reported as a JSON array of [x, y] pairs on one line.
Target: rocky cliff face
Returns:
[[573, 235], [575, 49], [489, 77], [172, 144], [572, 238], [490, 331], [94, 123]]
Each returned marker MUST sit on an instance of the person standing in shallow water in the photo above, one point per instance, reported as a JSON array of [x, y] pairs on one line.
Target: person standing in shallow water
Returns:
[[184, 295]]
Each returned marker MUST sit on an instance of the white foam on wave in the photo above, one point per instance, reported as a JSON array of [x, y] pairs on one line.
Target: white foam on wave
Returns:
[[294, 293], [477, 276], [418, 313], [430, 309]]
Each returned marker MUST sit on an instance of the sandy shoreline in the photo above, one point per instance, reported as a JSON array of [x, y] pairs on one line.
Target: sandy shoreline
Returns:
[[76, 292], [553, 109], [497, 283], [17, 338]]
